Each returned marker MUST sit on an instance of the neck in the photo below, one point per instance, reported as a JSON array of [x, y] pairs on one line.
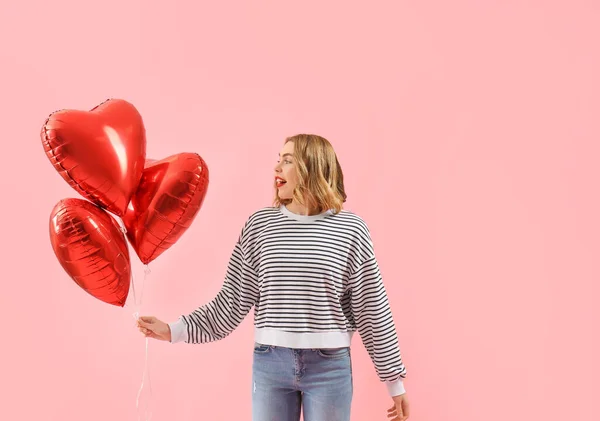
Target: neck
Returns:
[[299, 209]]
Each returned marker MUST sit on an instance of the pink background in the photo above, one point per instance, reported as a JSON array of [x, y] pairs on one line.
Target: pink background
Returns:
[[468, 132]]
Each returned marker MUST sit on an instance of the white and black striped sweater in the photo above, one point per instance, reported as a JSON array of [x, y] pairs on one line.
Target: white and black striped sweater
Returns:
[[313, 281]]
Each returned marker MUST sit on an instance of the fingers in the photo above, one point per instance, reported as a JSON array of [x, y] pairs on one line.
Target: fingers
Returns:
[[148, 333], [146, 322], [397, 413], [405, 410], [145, 328], [400, 410], [147, 319], [148, 326]]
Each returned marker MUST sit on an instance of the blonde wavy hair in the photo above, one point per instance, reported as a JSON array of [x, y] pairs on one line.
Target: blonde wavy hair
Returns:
[[320, 177]]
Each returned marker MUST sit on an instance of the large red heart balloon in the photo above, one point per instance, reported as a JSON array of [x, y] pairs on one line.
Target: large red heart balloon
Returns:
[[168, 198], [100, 153], [92, 249]]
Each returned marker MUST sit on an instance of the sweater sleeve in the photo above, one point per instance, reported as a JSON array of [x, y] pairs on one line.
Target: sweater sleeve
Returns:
[[218, 318], [373, 317]]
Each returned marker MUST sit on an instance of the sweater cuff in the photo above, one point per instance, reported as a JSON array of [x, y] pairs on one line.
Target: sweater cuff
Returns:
[[178, 331], [396, 387]]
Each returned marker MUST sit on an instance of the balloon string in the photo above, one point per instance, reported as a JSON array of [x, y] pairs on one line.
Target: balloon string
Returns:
[[146, 413]]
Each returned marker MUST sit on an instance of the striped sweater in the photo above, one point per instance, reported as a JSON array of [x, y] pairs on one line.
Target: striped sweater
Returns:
[[312, 280]]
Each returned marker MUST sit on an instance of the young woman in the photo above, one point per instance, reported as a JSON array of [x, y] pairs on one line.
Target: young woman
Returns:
[[309, 270]]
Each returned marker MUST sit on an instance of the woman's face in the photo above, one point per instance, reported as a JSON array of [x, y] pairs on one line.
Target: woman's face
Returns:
[[285, 172]]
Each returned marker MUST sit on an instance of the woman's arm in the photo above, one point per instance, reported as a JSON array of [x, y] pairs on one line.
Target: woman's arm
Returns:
[[373, 317], [218, 318]]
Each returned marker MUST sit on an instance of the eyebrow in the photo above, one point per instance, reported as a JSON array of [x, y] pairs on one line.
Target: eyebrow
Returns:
[[287, 154]]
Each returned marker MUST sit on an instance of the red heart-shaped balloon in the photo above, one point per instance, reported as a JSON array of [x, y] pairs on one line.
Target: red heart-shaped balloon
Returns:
[[168, 198], [92, 249], [100, 152]]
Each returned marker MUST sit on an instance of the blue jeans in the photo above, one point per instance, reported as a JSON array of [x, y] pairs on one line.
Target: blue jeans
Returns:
[[285, 380]]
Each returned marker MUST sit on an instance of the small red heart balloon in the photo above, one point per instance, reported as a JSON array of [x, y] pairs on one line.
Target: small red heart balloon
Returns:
[[100, 153], [168, 198], [92, 249]]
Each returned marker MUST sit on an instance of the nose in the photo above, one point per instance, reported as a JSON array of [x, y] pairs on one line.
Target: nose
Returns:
[[278, 167]]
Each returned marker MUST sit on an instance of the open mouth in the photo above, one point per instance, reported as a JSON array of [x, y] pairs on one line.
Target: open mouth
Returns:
[[279, 181]]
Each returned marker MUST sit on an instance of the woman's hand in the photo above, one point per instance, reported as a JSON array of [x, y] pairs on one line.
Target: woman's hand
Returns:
[[151, 327], [400, 411]]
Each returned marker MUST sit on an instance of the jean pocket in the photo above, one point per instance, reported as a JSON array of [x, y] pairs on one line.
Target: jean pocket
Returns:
[[261, 349], [334, 352]]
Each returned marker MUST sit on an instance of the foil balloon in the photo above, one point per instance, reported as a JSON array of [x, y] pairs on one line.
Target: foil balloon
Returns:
[[92, 249], [100, 153], [168, 198]]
